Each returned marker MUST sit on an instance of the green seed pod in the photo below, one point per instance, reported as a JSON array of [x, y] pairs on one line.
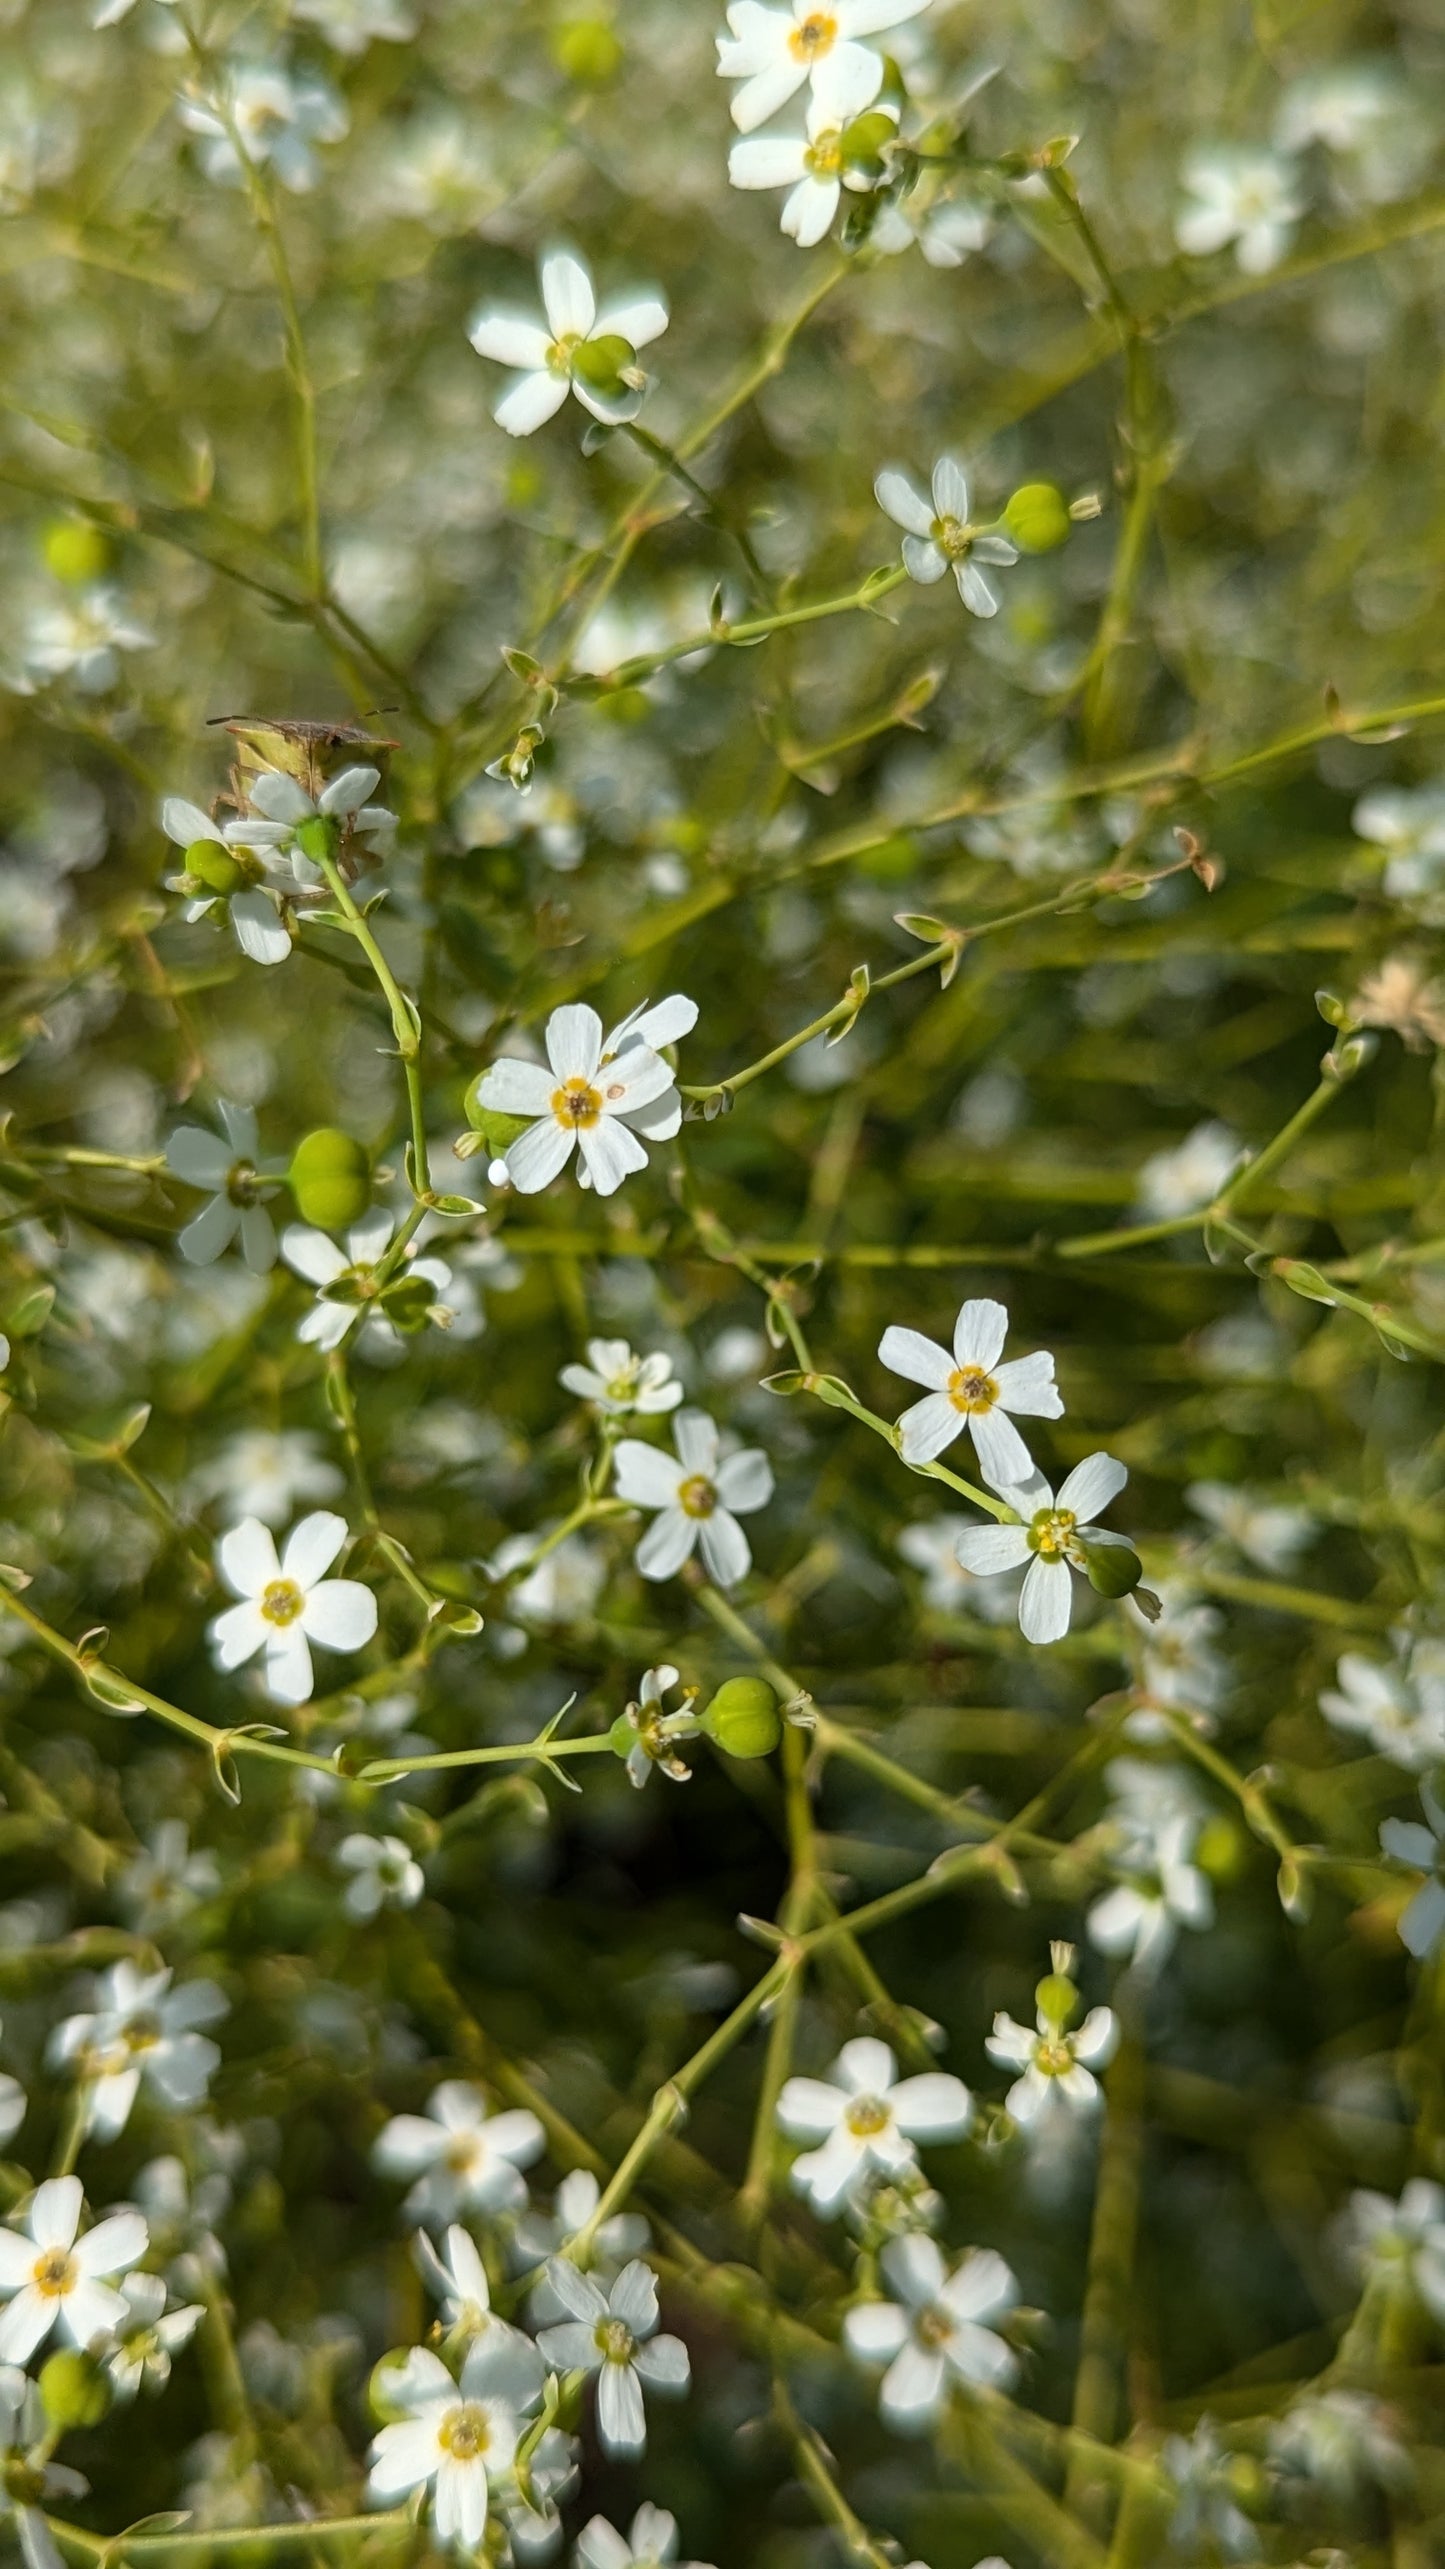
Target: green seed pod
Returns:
[[500, 1130], [622, 1738], [1221, 1849], [214, 866], [75, 554], [863, 141], [408, 1303], [317, 837], [1056, 1998], [1113, 1569], [599, 362], [73, 2389], [743, 1718], [587, 50], [1037, 517], [388, 2377], [330, 1177]]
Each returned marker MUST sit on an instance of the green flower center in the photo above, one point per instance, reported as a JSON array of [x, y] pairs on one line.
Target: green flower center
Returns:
[[464, 2432], [1051, 1534], [697, 1496]]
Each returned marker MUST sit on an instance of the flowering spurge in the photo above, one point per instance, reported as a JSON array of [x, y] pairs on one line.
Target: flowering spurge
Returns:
[[457, 2438], [148, 2336], [645, 1734], [462, 2158], [1055, 1537], [596, 1094], [241, 1181], [865, 2120], [621, 1384], [772, 52], [282, 823], [1248, 197], [350, 1294], [614, 2335], [840, 147], [215, 874], [1161, 1891], [459, 2281], [287, 1604], [1422, 1924], [939, 537], [272, 117], [1058, 2067], [140, 2028], [56, 2275], [384, 1874], [939, 2330], [698, 1496], [971, 1389], [651, 2543], [577, 348], [1400, 1710]]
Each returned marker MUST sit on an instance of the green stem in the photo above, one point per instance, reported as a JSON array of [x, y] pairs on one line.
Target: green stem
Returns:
[[406, 1026]]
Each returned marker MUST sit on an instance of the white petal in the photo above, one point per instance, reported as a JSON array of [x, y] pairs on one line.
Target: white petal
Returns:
[[510, 339], [341, 1614], [914, 2268], [912, 2388], [288, 1664], [113, 2246], [571, 305], [621, 2424], [974, 590], [638, 318], [1091, 1485], [950, 499], [246, 1557], [259, 932], [899, 500], [980, 1329], [988, 1549], [27, 2321], [928, 1427], [610, 1153], [846, 81], [198, 1157], [932, 2107], [1027, 1387], [517, 1088], [809, 2108], [532, 400], [1003, 1456], [874, 2331], [347, 793], [54, 2215], [768, 160], [312, 1546], [923, 560], [278, 797], [668, 1542], [809, 210], [1046, 1600], [762, 96], [866, 2066], [238, 1634], [696, 1438], [745, 1481], [645, 1476], [574, 1041], [185, 822], [536, 1156], [727, 1554], [310, 1254]]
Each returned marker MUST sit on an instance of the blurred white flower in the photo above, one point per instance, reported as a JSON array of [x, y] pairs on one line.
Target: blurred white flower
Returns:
[[1051, 1540], [1422, 1926], [1208, 2518], [651, 2543], [441, 171], [241, 1180], [864, 2120], [57, 2275], [596, 1095], [939, 536], [1403, 2241], [82, 639], [940, 2330], [1408, 822], [273, 116], [268, 1473], [1267, 1531], [576, 349], [287, 1604], [971, 1389], [1188, 1177], [772, 52], [539, 2235], [1249, 197], [12, 2106], [1400, 1709], [140, 2028], [384, 1874], [459, 2281], [814, 166], [947, 234], [351, 25], [462, 2158], [622, 1384], [1160, 1892], [698, 1495], [1178, 1663], [1341, 2441]]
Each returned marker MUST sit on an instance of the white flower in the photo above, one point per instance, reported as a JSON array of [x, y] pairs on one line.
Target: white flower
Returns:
[[232, 1167], [1400, 1709], [266, 1474], [163, 1883], [1055, 2063], [459, 2281], [939, 536], [384, 1874], [277, 119], [1051, 1541], [1409, 823], [1341, 2440], [1411, 1842], [57, 2276], [1190, 1176], [323, 1263], [459, 2439], [576, 349], [351, 25], [651, 2543], [773, 51], [655, 1731], [1404, 2240], [288, 1604], [622, 1384], [931, 1545], [1266, 1531], [260, 931], [940, 2326], [613, 2335], [539, 2235], [1249, 197], [462, 2157], [1178, 1662], [971, 1389], [1162, 1891], [148, 2336], [813, 165], [598, 1093], [279, 809], [139, 2028], [82, 638], [865, 2118], [947, 234], [698, 1499], [1208, 2517]]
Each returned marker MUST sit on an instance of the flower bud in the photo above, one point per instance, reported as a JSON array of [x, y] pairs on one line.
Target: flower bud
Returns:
[[73, 2389], [1056, 1999], [1112, 1569], [1221, 1848], [214, 866], [743, 1718], [601, 363], [1037, 517], [587, 50], [330, 1177], [75, 553]]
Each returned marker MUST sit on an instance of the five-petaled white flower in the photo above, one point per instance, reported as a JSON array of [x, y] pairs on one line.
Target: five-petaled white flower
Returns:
[[463, 2158], [233, 1167], [279, 809], [1422, 1925], [260, 930], [698, 1499], [597, 1093], [1188, 1177], [1161, 1892], [866, 2120], [1055, 2063], [654, 1731], [384, 1874], [576, 349], [939, 537], [82, 639], [1249, 197], [323, 1263], [60, 2275], [940, 2325], [1052, 1540], [459, 2438], [614, 2336], [140, 2027], [651, 2543], [272, 117], [460, 2282], [288, 1604], [813, 165], [773, 51], [1400, 1709], [148, 2336], [622, 1383], [971, 1389]]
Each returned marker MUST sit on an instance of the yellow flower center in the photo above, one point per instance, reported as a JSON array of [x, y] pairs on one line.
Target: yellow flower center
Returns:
[[697, 1497], [562, 352], [1052, 1533], [614, 2341], [867, 2115], [577, 1105], [951, 536], [55, 2273], [281, 1601], [462, 2153], [972, 1390], [813, 36], [824, 155], [933, 2327], [142, 2034], [1053, 2056], [464, 2432]]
